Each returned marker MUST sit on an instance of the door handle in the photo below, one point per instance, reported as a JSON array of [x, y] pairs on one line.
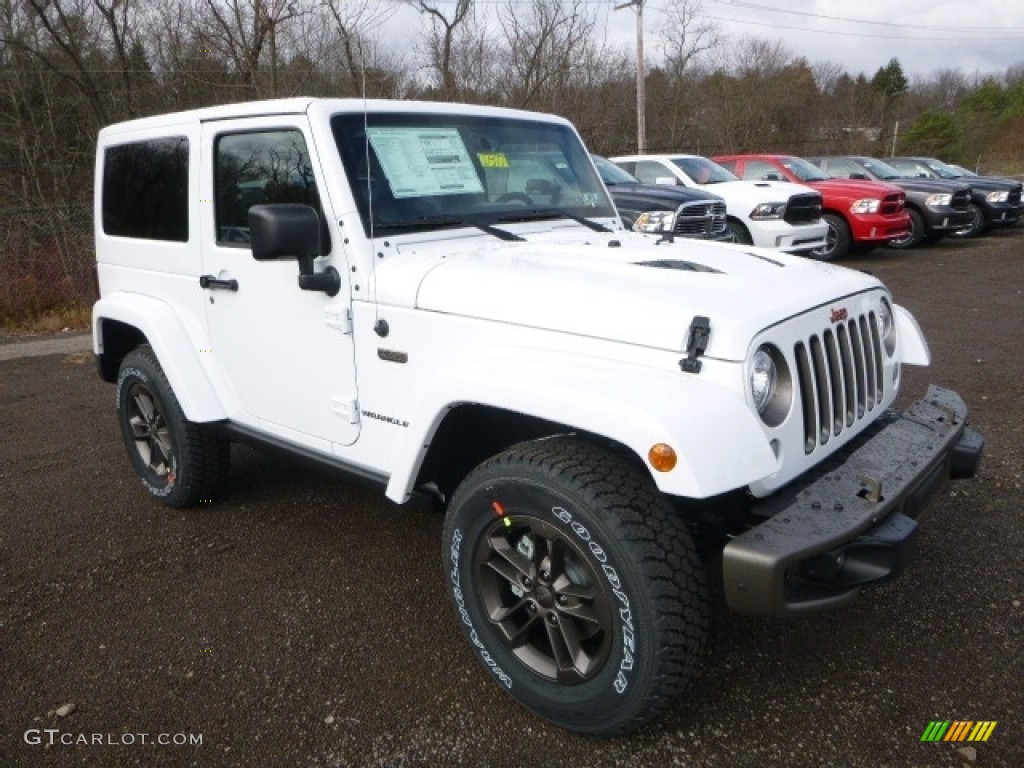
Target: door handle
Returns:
[[209, 281]]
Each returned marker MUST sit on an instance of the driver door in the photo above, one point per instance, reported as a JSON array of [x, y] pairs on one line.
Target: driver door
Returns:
[[286, 355]]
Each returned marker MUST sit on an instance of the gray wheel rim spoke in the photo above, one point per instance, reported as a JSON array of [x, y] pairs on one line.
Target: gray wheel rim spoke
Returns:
[[549, 604], [150, 432]]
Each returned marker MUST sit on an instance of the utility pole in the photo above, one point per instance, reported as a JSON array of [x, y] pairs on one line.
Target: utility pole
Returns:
[[641, 93]]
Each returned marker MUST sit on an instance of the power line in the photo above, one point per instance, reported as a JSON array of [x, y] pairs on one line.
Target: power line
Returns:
[[957, 29], [841, 33]]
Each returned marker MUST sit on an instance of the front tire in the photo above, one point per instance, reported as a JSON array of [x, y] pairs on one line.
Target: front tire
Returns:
[[577, 585], [976, 225], [913, 237], [179, 462], [737, 233], [837, 240]]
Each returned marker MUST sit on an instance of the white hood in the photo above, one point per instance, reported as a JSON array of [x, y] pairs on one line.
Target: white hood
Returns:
[[580, 282], [747, 194]]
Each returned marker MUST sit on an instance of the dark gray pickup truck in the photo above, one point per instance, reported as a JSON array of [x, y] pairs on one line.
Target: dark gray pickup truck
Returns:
[[994, 201], [662, 207]]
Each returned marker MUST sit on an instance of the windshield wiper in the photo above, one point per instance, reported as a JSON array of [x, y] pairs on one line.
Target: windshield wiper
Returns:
[[425, 222], [537, 214]]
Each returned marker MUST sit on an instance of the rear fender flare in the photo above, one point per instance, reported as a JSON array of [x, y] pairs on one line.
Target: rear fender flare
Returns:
[[175, 345]]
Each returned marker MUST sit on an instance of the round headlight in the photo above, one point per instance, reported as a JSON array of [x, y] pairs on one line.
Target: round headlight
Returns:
[[771, 386], [762, 378], [886, 326]]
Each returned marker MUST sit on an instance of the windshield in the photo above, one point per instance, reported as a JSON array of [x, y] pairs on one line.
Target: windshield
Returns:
[[610, 173], [704, 171], [882, 170], [804, 170], [942, 170], [420, 172]]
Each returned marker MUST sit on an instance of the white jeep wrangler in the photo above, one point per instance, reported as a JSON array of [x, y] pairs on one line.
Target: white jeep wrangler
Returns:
[[470, 320]]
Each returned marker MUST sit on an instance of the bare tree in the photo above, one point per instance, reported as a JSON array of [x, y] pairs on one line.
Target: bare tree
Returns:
[[353, 21], [242, 31], [444, 29], [685, 34], [544, 45]]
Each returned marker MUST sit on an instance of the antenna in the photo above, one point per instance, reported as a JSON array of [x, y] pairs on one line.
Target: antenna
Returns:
[[369, 181]]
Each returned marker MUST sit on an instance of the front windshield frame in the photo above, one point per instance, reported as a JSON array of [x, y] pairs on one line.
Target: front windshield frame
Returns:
[[805, 170], [512, 169], [700, 170]]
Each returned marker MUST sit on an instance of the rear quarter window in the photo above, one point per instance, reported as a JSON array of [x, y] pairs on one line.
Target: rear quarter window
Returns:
[[145, 189]]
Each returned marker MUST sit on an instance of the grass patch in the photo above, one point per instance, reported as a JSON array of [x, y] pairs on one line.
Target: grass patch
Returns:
[[76, 316]]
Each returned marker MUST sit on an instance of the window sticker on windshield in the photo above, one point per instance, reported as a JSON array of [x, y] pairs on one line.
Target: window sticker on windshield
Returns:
[[422, 162], [493, 159]]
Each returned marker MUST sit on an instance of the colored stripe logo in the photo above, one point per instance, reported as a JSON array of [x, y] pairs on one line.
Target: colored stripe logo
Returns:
[[958, 730]]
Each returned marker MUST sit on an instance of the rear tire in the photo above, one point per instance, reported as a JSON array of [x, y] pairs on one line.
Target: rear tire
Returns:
[[180, 463], [576, 583]]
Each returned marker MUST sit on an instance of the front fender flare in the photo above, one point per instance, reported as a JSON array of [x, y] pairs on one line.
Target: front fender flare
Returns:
[[175, 345], [913, 346], [716, 435]]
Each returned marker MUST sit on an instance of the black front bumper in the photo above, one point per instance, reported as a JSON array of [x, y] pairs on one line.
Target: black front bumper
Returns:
[[946, 221], [851, 522]]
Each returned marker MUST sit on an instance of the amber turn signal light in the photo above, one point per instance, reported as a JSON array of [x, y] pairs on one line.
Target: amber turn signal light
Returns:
[[662, 457]]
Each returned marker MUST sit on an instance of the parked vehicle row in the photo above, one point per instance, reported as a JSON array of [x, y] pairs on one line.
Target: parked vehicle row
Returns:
[[994, 202], [823, 207], [766, 214], [860, 214]]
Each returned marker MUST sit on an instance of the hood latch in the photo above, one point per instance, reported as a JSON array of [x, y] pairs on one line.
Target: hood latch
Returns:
[[696, 342]]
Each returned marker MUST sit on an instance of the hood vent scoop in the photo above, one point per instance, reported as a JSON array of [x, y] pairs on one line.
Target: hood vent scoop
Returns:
[[685, 266]]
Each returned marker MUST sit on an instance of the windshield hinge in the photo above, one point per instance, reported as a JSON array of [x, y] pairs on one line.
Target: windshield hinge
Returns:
[[696, 342]]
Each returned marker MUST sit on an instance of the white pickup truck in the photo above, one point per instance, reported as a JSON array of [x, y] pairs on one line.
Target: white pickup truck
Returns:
[[768, 214], [441, 299]]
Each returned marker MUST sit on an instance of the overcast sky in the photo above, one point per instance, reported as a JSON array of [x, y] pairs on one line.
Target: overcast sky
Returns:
[[972, 36]]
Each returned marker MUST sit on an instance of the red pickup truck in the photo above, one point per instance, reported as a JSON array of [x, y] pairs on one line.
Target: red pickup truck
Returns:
[[860, 214]]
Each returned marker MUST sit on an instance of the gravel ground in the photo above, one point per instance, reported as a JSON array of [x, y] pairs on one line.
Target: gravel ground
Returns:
[[303, 621]]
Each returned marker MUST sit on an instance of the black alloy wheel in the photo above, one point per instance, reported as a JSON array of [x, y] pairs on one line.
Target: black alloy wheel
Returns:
[[546, 599]]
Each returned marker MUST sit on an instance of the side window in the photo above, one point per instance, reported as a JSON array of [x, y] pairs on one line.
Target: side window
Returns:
[[729, 165], [759, 170], [255, 169], [649, 172], [841, 168], [145, 189]]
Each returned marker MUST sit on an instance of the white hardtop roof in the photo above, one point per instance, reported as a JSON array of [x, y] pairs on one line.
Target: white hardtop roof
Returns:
[[301, 105]]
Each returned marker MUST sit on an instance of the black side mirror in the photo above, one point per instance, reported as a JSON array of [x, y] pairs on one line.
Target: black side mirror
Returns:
[[858, 175], [292, 231]]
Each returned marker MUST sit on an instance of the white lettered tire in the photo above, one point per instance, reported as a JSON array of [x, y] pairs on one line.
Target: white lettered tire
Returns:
[[179, 462], [577, 585]]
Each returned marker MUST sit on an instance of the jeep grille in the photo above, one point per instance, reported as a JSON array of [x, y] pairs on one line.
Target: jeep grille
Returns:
[[803, 209], [702, 218], [1014, 197], [961, 200], [840, 378]]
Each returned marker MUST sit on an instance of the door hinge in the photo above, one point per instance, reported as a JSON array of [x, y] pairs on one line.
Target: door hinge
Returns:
[[339, 318], [346, 407]]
